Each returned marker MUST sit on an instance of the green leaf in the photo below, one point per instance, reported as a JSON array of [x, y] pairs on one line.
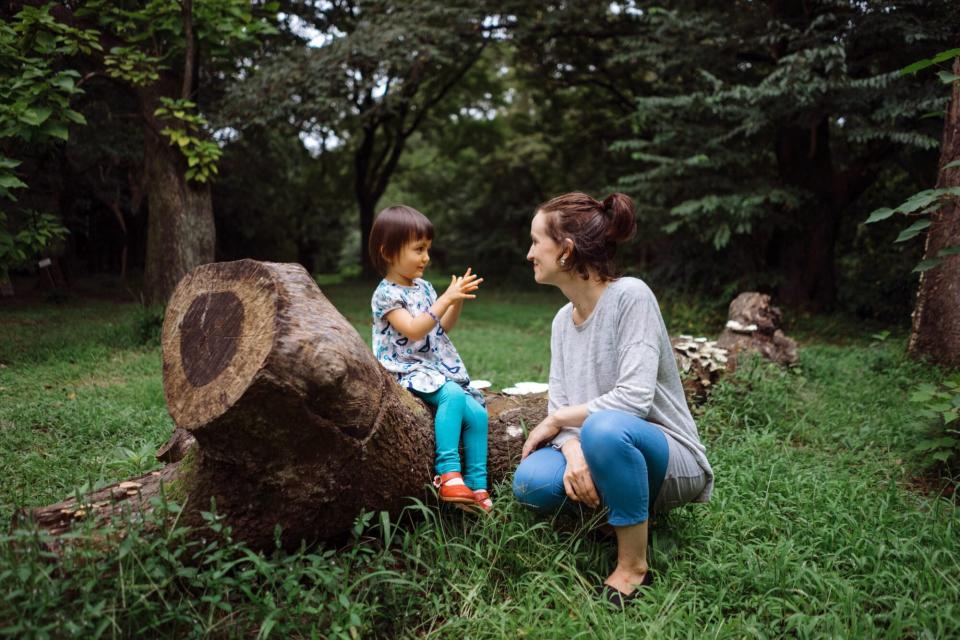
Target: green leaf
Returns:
[[913, 230], [947, 77], [926, 265], [36, 117], [880, 214], [929, 62], [10, 181], [56, 130], [952, 165], [74, 116], [942, 456]]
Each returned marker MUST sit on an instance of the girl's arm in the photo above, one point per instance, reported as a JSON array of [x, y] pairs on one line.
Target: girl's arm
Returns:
[[449, 319], [415, 328]]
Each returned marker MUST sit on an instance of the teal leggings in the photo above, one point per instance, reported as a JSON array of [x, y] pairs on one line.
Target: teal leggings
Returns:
[[456, 409]]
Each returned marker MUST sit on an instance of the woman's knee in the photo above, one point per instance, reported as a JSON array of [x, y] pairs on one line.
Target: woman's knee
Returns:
[[602, 430], [535, 482]]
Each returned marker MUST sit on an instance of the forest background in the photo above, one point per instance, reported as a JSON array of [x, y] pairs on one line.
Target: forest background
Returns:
[[755, 137]]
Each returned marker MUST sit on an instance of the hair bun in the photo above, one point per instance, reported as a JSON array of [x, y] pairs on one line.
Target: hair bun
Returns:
[[621, 214]]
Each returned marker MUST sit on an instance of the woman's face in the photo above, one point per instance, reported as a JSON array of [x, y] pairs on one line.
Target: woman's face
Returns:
[[544, 252]]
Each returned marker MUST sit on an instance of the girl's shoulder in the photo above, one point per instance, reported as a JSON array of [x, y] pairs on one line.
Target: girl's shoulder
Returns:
[[424, 285]]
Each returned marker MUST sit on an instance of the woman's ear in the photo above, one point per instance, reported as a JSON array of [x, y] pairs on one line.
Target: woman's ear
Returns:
[[566, 248]]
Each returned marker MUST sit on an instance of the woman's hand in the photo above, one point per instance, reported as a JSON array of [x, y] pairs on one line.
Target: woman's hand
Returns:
[[540, 435], [577, 481], [461, 287]]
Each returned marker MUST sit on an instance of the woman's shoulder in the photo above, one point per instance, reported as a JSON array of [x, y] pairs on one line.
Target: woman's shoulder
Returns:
[[564, 313], [630, 288]]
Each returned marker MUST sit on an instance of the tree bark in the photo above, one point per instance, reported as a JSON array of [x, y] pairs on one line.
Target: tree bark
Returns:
[[936, 317], [180, 231]]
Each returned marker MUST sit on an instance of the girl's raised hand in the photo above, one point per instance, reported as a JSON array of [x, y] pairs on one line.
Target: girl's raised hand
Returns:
[[461, 287]]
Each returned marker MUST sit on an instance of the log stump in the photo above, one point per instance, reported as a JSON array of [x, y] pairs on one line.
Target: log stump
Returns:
[[753, 325]]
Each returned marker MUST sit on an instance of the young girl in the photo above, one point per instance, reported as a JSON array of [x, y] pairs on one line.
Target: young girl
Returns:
[[410, 326]]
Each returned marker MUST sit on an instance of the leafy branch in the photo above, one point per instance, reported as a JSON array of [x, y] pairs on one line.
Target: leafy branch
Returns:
[[190, 137]]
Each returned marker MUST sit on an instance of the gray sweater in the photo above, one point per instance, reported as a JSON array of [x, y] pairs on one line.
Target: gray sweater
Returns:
[[621, 358]]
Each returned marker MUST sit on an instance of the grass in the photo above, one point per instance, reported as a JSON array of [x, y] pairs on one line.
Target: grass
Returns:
[[813, 530]]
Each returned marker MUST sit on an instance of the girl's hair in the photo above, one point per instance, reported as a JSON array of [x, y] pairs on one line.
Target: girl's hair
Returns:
[[595, 227], [394, 227]]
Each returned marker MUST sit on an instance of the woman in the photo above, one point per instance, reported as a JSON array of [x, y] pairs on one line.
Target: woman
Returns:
[[618, 425]]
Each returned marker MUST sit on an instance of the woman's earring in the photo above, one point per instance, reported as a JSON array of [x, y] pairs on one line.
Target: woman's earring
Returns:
[[563, 262]]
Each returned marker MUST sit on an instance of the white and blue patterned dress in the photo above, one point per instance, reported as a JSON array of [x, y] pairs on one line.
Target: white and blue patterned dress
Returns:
[[424, 365]]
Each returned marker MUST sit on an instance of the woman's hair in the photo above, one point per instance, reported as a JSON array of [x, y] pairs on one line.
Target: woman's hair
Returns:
[[393, 228], [595, 227]]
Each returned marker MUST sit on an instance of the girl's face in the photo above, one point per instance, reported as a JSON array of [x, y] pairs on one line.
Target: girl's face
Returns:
[[410, 262], [544, 252]]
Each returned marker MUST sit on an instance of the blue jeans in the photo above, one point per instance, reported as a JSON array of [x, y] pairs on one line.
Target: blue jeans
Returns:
[[458, 413], [627, 457]]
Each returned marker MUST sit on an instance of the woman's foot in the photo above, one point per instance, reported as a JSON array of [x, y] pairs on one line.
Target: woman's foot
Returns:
[[619, 590], [451, 488], [627, 581]]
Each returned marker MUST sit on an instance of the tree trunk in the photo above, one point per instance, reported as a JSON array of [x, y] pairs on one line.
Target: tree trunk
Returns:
[[180, 232], [936, 316], [805, 252]]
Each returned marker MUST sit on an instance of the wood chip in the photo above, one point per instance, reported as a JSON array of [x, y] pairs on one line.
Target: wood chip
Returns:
[[129, 484]]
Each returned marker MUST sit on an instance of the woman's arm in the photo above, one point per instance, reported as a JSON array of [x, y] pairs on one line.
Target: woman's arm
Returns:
[[550, 426]]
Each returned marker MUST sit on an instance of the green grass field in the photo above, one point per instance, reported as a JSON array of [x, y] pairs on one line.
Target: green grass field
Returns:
[[813, 531]]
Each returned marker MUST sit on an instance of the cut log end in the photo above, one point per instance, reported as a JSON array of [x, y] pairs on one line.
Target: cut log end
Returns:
[[218, 330]]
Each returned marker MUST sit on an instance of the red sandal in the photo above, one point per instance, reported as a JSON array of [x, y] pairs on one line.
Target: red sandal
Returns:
[[457, 493], [482, 500]]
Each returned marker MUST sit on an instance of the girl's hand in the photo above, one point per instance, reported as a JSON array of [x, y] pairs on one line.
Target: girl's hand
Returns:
[[540, 435], [461, 287], [577, 481]]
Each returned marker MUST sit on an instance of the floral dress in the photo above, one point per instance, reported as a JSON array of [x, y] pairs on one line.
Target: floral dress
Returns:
[[424, 365]]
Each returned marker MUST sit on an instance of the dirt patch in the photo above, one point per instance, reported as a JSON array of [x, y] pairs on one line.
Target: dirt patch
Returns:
[[933, 486]]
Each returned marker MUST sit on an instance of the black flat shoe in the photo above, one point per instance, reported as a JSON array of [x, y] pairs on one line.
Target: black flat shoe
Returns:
[[620, 599]]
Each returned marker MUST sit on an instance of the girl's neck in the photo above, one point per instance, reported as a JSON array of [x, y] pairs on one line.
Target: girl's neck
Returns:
[[584, 294], [396, 278]]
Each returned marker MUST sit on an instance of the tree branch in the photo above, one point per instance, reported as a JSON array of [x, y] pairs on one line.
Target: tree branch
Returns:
[[190, 54]]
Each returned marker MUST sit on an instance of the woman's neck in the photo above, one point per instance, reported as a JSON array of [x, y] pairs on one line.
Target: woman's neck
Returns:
[[584, 294]]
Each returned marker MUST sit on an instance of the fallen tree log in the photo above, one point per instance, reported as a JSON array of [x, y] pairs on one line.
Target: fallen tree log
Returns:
[[295, 422]]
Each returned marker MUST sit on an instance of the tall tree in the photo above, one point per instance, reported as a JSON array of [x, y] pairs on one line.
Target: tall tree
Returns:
[[936, 317], [770, 119], [157, 50], [369, 77]]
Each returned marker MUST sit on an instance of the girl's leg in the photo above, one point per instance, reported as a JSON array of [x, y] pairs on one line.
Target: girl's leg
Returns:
[[450, 401], [538, 481], [628, 459], [474, 444]]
